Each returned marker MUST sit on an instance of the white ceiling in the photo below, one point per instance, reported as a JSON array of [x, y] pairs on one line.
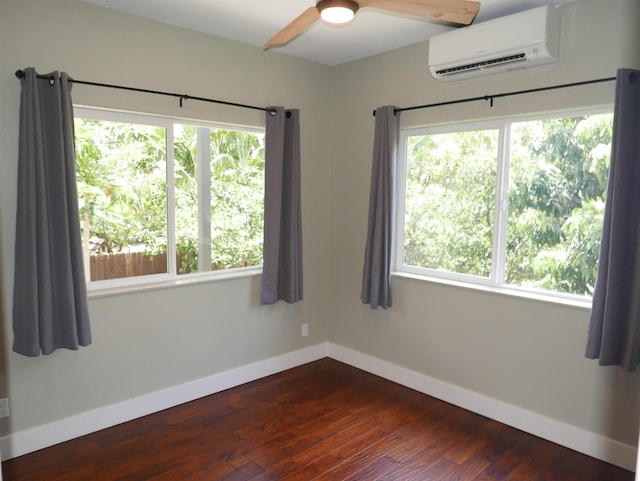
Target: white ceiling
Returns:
[[255, 21]]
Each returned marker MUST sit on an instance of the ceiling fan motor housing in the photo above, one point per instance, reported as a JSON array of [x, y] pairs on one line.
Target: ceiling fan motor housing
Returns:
[[341, 4]]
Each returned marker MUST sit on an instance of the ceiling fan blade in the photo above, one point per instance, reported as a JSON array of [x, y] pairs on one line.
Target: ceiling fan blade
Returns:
[[302, 22], [461, 12]]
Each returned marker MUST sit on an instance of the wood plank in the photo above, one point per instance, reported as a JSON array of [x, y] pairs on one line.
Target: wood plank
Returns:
[[321, 421]]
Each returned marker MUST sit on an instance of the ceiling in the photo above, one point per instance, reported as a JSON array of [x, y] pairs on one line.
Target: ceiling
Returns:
[[253, 22]]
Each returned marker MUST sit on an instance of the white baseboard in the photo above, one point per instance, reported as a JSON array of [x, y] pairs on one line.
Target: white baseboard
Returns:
[[40, 437], [580, 440], [586, 442]]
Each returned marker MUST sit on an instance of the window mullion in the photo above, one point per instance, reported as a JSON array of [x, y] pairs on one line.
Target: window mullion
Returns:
[[401, 185], [171, 202], [204, 199], [502, 201]]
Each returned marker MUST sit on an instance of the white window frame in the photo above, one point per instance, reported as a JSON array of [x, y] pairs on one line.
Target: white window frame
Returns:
[[171, 278], [495, 281]]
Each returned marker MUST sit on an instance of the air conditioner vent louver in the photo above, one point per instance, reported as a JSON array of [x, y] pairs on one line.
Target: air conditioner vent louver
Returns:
[[523, 40], [520, 57]]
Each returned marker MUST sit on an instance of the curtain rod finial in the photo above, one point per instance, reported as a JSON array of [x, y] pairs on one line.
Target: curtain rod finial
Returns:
[[20, 73]]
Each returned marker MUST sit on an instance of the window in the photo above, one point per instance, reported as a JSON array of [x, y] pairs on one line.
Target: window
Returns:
[[161, 199], [515, 204]]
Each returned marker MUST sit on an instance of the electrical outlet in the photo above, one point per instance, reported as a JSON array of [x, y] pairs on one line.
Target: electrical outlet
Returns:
[[4, 408], [305, 330]]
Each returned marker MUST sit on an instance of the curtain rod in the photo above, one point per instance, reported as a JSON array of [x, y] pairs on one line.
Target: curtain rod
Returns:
[[182, 97], [505, 94]]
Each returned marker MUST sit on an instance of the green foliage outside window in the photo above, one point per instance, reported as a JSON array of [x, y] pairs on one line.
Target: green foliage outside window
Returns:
[[556, 190], [449, 202], [559, 170], [236, 194], [121, 180], [122, 188]]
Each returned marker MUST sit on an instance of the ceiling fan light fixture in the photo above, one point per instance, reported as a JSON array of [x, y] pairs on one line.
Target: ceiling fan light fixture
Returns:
[[337, 11]]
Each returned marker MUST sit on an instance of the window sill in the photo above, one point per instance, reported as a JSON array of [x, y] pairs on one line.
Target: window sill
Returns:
[[94, 292], [514, 292]]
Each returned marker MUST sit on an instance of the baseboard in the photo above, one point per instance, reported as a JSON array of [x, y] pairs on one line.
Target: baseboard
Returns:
[[27, 441], [580, 440], [586, 442]]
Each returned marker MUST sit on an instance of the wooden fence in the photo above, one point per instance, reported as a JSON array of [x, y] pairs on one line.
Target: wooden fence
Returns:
[[115, 266]]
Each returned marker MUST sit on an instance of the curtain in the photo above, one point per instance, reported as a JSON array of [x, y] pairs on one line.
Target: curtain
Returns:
[[376, 276], [614, 329], [49, 294], [282, 263]]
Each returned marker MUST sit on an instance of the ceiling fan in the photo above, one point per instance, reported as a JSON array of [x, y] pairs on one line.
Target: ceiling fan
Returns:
[[459, 12]]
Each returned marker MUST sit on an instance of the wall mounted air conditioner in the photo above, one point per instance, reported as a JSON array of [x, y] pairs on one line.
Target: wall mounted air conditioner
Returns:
[[523, 40]]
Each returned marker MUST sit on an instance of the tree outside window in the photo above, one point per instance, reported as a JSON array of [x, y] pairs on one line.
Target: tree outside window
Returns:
[[139, 218], [515, 204]]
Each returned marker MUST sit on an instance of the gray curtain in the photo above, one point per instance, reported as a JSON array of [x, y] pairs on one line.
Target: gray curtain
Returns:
[[282, 263], [376, 276], [49, 292], [614, 329]]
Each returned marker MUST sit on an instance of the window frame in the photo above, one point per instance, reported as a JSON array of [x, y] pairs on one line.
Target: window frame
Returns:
[[171, 278], [495, 282]]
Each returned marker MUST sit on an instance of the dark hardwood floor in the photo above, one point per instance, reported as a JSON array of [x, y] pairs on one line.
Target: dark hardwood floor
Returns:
[[321, 421]]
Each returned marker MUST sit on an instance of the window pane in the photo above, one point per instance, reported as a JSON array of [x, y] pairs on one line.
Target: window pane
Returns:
[[219, 190], [450, 201], [557, 187], [121, 179], [237, 198]]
